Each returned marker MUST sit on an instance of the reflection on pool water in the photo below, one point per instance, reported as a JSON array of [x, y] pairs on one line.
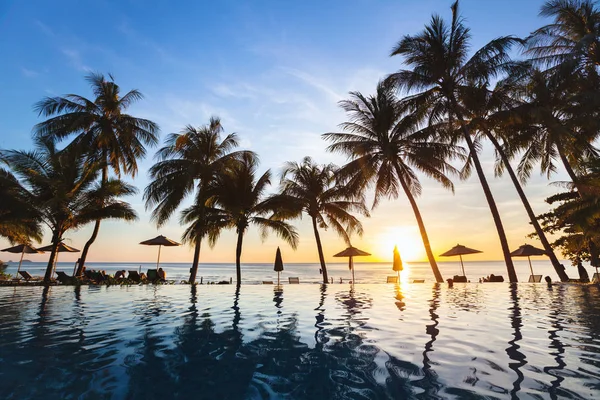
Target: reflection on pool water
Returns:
[[304, 341]]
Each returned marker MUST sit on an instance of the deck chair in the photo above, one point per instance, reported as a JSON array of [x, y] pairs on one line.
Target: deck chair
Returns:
[[596, 278], [418, 280], [26, 275], [294, 279], [460, 279], [535, 279], [392, 279], [152, 275], [267, 282], [496, 278], [134, 276], [63, 278]]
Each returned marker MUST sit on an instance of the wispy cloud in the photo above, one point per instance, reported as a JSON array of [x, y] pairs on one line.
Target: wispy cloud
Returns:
[[29, 73], [75, 60]]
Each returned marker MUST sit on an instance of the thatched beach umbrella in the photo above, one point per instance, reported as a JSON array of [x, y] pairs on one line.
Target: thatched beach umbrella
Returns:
[[351, 252], [397, 266], [160, 241], [528, 250], [460, 250], [22, 248], [61, 248], [278, 266]]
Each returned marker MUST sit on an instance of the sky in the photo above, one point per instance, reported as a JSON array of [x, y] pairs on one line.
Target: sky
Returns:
[[273, 71]]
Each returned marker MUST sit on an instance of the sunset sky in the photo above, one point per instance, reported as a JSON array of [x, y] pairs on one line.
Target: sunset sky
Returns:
[[274, 72]]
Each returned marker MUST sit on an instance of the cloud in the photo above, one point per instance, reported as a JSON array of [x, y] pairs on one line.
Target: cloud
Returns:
[[29, 73], [75, 59]]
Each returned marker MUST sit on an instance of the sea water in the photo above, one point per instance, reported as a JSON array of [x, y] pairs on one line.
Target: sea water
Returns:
[[307, 341]]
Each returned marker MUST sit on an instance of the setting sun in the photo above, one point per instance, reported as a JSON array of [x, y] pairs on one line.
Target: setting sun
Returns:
[[407, 239]]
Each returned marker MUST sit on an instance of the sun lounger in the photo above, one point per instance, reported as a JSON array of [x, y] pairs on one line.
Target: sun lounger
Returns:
[[267, 282], [418, 280], [62, 277], [134, 276], [294, 279], [392, 279], [496, 278], [535, 278], [460, 279], [26, 275], [152, 275]]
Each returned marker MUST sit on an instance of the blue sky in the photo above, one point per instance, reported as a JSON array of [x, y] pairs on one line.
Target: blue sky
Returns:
[[273, 71]]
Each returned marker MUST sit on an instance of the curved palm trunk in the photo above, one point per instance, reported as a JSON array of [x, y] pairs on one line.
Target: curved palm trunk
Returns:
[[92, 238], [424, 237], [567, 165], [238, 257], [558, 267], [320, 249], [53, 255], [512, 275], [194, 269]]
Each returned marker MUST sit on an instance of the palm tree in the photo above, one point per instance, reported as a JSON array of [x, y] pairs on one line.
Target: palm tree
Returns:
[[310, 188], [491, 112], [100, 126], [62, 186], [240, 197], [188, 164], [549, 126], [441, 71], [385, 148], [19, 221], [571, 41]]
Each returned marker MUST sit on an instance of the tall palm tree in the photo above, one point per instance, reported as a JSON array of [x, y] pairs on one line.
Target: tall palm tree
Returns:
[[549, 126], [441, 70], [240, 197], [571, 41], [63, 186], [491, 113], [188, 164], [19, 221], [102, 127], [310, 188], [385, 147]]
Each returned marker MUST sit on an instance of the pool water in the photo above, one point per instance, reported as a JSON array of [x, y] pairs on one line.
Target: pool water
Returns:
[[421, 341]]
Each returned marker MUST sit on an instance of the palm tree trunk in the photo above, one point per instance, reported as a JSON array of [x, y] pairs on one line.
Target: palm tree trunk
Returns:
[[194, 269], [567, 165], [320, 250], [53, 255], [558, 267], [512, 275], [424, 237], [92, 238], [238, 256]]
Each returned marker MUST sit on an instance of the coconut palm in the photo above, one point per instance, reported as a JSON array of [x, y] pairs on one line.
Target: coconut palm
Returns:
[[440, 71], [549, 126], [64, 189], [571, 41], [310, 188], [240, 197], [386, 148], [100, 126], [491, 113], [19, 221], [188, 164]]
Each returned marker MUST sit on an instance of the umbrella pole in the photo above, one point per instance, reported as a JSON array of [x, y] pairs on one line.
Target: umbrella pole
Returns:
[[158, 259], [351, 261], [21, 260], [277, 278], [462, 265], [530, 267]]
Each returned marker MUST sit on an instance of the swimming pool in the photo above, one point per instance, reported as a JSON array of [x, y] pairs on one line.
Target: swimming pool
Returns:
[[305, 341]]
